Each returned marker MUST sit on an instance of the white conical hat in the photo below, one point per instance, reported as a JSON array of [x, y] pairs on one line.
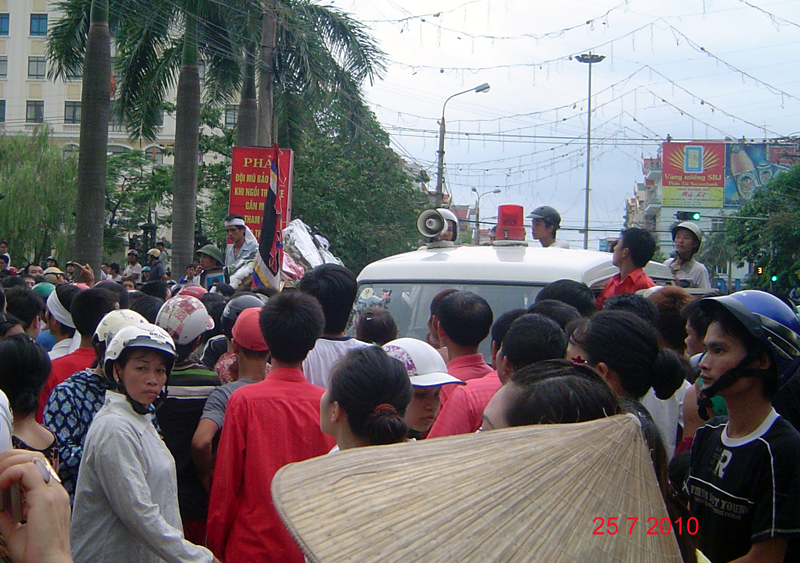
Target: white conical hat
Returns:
[[517, 494]]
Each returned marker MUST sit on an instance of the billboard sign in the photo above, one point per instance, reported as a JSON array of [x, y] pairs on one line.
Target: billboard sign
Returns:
[[693, 174]]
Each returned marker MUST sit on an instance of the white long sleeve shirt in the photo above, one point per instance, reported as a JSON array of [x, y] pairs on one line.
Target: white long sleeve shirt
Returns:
[[126, 499]]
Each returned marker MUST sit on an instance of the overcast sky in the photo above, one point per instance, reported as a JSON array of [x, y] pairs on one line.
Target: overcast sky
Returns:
[[693, 69]]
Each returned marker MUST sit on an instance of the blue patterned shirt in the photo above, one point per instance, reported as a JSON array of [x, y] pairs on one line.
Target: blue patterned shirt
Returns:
[[68, 413]]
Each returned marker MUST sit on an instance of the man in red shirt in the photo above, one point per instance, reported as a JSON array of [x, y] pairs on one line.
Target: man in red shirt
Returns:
[[267, 425], [465, 319], [465, 405], [531, 338], [88, 309], [632, 252]]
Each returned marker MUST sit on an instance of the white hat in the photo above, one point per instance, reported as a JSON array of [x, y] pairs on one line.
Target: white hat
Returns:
[[424, 364]]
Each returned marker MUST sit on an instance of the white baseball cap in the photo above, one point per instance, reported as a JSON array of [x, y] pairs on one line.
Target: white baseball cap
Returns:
[[424, 364]]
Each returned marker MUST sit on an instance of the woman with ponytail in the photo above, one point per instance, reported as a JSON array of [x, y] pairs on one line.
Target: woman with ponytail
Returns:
[[366, 399], [624, 350], [24, 367]]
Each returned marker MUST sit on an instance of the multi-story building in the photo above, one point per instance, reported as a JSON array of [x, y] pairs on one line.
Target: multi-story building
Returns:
[[712, 178], [28, 97]]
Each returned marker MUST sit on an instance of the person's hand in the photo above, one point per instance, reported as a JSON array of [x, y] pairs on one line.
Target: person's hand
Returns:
[[44, 538], [86, 274]]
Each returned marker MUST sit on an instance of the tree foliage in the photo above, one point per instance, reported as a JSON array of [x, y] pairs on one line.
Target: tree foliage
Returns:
[[135, 189], [38, 186], [357, 193], [773, 244]]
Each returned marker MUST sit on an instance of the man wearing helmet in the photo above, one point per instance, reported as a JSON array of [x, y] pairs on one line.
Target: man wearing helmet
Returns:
[[157, 272], [688, 272], [185, 319], [744, 478], [546, 221]]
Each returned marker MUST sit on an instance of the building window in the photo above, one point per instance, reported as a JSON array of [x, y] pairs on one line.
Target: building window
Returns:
[[3, 24], [117, 149], [34, 112], [2, 111], [72, 112], [38, 25], [231, 115], [37, 68], [72, 150], [160, 118], [717, 224], [3, 67]]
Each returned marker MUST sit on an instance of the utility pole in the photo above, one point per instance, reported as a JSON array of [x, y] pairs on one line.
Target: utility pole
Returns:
[[589, 59]]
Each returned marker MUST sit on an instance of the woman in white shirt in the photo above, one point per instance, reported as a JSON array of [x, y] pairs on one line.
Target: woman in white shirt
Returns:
[[126, 500]]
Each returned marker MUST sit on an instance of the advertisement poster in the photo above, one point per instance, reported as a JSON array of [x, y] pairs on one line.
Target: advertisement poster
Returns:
[[693, 174], [261, 191], [750, 166], [250, 184]]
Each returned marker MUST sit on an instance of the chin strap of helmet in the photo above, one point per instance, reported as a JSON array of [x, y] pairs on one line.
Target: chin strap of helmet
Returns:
[[726, 380]]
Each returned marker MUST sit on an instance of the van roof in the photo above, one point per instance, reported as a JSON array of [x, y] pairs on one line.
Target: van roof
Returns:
[[514, 265]]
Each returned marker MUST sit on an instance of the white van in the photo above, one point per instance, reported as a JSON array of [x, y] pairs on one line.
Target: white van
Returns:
[[507, 275]]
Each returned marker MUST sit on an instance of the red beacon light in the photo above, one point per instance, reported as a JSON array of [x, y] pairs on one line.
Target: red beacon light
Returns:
[[510, 224]]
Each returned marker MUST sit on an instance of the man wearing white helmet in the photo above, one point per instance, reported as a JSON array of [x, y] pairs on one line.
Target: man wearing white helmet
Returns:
[[126, 506], [73, 403], [185, 319], [688, 272]]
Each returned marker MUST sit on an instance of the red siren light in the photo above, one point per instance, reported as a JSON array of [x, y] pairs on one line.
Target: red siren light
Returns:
[[510, 222]]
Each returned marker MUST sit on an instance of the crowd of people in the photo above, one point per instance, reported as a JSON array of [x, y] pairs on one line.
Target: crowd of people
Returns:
[[165, 410]]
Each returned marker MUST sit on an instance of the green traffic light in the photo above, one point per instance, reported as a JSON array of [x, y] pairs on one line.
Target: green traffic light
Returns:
[[695, 216], [774, 278]]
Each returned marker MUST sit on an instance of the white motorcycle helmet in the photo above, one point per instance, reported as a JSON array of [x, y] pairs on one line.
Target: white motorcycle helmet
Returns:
[[138, 336], [184, 318]]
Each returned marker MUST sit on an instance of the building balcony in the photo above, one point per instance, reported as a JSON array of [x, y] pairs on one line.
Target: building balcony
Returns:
[[653, 171]]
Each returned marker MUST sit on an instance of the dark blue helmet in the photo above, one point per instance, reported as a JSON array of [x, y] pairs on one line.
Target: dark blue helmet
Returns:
[[767, 318]]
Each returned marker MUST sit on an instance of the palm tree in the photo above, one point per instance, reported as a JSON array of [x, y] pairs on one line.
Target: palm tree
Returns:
[[321, 59], [95, 103]]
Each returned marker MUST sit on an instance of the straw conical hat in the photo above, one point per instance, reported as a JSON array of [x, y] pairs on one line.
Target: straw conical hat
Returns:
[[518, 494]]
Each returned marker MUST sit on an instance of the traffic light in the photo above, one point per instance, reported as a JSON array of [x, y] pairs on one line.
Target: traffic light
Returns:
[[760, 270], [687, 215], [774, 278]]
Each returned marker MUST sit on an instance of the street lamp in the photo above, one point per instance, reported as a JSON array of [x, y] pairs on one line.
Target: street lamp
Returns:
[[477, 237], [440, 175], [589, 59]]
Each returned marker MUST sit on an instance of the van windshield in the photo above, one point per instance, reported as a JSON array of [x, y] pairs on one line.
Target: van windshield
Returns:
[[409, 303]]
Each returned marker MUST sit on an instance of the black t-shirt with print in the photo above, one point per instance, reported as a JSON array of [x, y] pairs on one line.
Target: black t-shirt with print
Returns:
[[745, 490]]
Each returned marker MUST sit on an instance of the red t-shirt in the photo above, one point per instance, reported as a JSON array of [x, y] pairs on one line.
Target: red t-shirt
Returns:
[[267, 425], [60, 369], [464, 368], [463, 412], [634, 282]]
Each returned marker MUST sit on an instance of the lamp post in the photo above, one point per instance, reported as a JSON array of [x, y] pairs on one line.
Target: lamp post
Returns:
[[440, 173], [589, 59], [477, 238]]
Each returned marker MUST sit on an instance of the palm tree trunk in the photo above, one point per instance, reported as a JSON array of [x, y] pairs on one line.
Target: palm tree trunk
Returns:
[[247, 119], [265, 76], [187, 138], [95, 102]]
